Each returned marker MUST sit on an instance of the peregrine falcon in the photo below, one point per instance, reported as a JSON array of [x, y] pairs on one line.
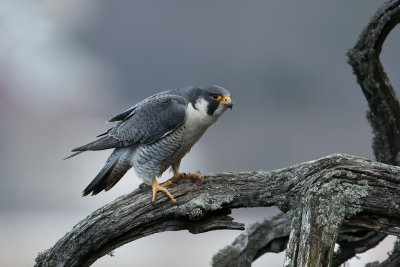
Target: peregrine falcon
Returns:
[[155, 134]]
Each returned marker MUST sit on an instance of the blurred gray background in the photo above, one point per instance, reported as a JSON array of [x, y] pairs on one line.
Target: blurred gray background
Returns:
[[68, 66]]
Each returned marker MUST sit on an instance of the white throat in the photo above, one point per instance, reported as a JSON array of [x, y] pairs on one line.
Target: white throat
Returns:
[[197, 118]]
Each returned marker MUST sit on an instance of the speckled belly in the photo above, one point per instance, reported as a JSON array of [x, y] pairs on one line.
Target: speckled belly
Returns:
[[152, 160]]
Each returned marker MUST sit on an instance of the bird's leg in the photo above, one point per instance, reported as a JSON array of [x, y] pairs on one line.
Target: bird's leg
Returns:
[[178, 175], [156, 187]]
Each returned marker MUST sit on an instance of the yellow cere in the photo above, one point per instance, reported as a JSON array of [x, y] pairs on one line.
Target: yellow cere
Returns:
[[225, 100]]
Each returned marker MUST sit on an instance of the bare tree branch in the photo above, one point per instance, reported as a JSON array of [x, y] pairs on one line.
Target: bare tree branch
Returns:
[[336, 187], [272, 236], [268, 236], [384, 114], [354, 241]]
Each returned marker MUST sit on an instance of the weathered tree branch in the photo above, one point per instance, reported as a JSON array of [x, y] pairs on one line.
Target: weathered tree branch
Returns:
[[268, 236], [384, 114], [272, 236], [338, 187], [354, 241]]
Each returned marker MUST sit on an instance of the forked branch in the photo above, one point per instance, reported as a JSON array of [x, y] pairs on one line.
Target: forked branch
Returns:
[[384, 116]]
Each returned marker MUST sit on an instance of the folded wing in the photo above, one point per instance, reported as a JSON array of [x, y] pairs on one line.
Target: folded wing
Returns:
[[143, 124]]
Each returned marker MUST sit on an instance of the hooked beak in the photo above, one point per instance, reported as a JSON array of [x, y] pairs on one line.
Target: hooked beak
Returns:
[[227, 102], [229, 105]]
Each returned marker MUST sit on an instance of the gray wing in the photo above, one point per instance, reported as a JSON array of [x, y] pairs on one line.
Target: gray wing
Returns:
[[151, 121], [122, 116], [147, 122], [129, 112]]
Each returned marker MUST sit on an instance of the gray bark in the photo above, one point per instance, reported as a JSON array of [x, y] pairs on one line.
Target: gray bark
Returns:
[[384, 116], [318, 196], [268, 236], [272, 236], [354, 241], [384, 113]]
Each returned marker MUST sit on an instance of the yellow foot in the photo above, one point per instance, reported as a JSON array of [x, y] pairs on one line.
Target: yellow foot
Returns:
[[170, 180], [181, 176], [156, 187], [190, 175]]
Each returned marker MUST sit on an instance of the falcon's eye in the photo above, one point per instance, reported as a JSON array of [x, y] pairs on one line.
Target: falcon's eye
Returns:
[[216, 97]]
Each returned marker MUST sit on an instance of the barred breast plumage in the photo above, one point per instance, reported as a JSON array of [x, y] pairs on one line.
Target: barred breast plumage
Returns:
[[152, 160]]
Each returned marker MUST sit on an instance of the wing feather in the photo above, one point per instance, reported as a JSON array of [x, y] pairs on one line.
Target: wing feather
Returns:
[[144, 123], [122, 116], [151, 121]]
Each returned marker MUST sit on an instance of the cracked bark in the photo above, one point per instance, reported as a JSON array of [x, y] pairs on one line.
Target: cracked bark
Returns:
[[384, 113], [354, 241], [338, 187], [384, 117], [272, 236], [268, 236]]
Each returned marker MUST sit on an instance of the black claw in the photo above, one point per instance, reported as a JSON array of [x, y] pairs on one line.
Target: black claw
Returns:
[[143, 185]]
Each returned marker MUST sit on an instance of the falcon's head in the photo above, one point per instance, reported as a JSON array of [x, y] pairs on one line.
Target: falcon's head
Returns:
[[211, 100]]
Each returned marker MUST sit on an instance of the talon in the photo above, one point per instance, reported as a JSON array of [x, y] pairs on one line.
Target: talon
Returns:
[[170, 180], [178, 175], [156, 187]]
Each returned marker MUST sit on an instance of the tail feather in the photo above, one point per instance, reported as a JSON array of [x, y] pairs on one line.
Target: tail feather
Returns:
[[116, 166]]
